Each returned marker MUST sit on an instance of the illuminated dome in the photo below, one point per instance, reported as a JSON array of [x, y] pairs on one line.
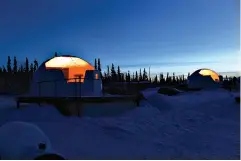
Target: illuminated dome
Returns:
[[66, 76], [72, 67], [207, 72], [203, 78]]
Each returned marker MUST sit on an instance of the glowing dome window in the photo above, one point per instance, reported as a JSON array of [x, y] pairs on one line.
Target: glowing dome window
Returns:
[[207, 72], [72, 67]]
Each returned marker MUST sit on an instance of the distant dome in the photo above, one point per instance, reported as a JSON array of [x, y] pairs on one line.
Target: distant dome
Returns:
[[203, 78], [207, 72]]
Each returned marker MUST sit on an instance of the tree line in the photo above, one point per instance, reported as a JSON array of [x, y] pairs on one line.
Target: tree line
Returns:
[[16, 68], [112, 74]]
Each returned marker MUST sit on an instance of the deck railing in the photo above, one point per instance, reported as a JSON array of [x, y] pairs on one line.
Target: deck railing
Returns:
[[77, 82]]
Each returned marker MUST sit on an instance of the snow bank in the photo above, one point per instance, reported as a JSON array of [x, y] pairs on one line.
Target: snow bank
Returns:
[[195, 125], [24, 145]]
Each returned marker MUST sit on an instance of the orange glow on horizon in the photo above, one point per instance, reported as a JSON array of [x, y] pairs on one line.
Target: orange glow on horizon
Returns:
[[72, 67], [206, 72]]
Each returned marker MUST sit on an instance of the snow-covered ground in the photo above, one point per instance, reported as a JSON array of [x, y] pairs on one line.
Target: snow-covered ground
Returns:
[[195, 125]]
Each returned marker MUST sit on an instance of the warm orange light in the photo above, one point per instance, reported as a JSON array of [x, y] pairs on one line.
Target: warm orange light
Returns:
[[206, 72], [61, 62], [96, 76], [72, 67]]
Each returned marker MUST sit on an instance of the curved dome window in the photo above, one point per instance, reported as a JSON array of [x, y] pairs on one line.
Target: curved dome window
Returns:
[[72, 67], [62, 61], [207, 72]]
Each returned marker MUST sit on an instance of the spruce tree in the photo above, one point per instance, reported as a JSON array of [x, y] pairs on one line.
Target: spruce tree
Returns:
[[136, 77], [21, 68], [15, 65], [99, 65], [177, 80], [31, 68], [226, 77], [26, 65], [4, 69], [55, 54], [1, 70], [128, 76], [35, 66], [140, 76], [145, 77], [167, 78], [113, 72], [108, 70], [122, 77], [163, 79], [9, 68], [119, 73], [96, 67], [155, 79], [160, 78], [173, 78], [105, 75]]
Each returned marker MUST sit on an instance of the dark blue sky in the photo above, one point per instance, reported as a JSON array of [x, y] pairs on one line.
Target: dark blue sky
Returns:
[[169, 35]]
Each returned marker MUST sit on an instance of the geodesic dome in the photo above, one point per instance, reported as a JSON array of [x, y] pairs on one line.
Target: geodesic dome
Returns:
[[62, 74], [72, 67], [203, 78]]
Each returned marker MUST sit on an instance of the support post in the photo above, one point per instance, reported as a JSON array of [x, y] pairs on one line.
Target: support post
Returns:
[[18, 104], [55, 88], [75, 98], [39, 89], [80, 86]]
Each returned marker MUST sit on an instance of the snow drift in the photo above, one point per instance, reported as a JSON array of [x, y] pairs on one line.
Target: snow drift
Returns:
[[194, 125]]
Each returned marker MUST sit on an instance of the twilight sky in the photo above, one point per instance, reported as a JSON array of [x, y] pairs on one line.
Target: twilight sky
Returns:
[[168, 35]]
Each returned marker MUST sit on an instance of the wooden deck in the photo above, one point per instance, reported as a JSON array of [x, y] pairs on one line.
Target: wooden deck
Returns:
[[59, 100]]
